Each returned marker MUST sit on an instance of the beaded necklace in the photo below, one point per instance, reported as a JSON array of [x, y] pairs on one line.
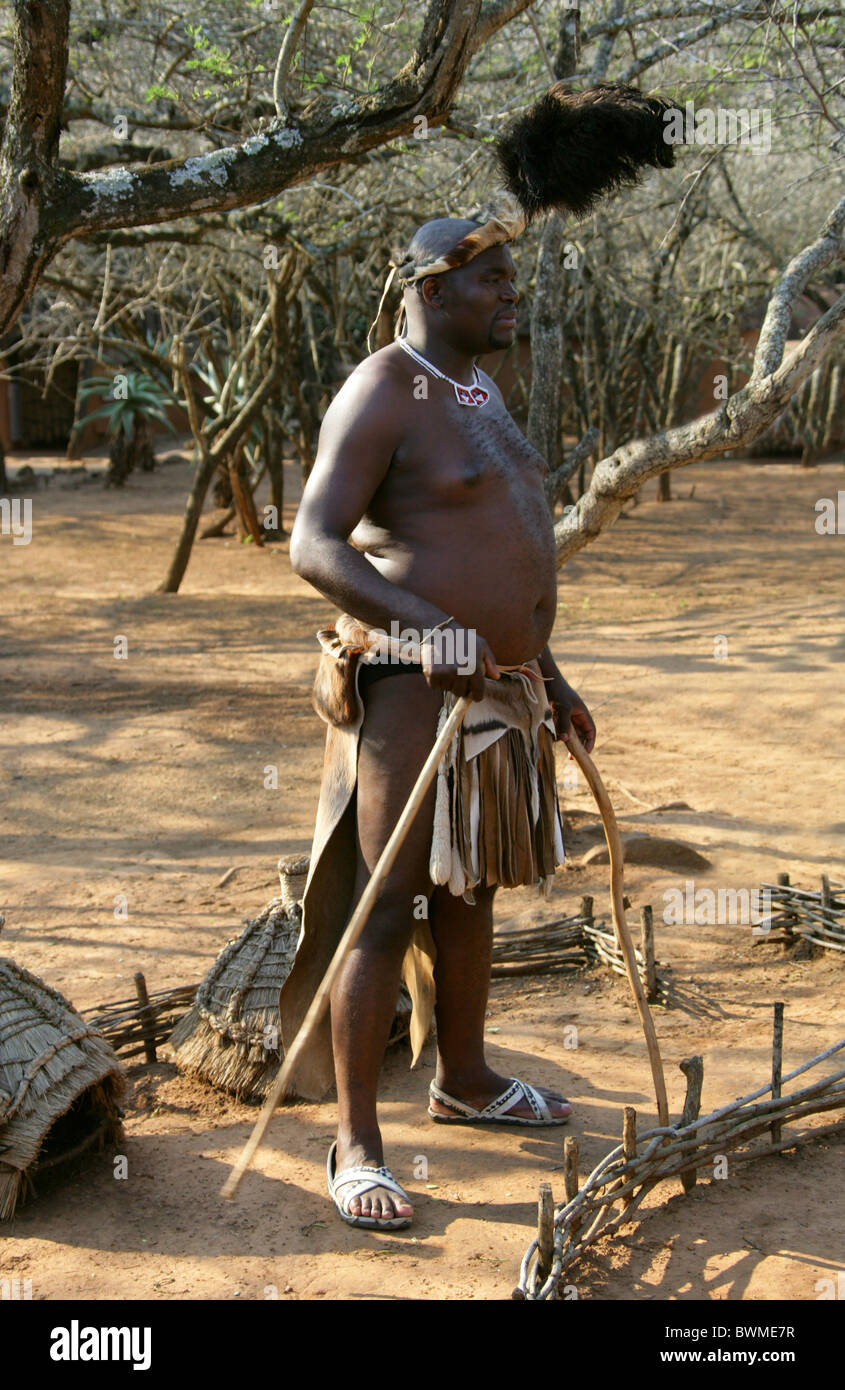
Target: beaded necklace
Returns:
[[466, 395]]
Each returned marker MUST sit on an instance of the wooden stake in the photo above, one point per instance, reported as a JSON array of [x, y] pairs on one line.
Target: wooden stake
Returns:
[[647, 946], [585, 912], [693, 1069], [570, 1167], [629, 1142], [623, 936], [790, 921], [145, 1015], [825, 893], [355, 926], [777, 1065], [545, 1232]]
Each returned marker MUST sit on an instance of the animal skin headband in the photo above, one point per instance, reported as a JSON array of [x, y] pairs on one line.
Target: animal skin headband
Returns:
[[566, 152]]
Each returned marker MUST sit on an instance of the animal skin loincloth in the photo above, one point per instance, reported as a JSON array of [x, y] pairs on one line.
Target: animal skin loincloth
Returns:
[[496, 821]]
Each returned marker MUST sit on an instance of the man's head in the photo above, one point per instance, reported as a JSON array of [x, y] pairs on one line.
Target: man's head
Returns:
[[471, 307]]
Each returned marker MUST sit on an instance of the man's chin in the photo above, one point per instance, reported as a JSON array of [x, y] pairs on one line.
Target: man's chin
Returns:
[[501, 337]]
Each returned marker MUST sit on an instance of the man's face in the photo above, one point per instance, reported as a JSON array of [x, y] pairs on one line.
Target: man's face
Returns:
[[476, 304]]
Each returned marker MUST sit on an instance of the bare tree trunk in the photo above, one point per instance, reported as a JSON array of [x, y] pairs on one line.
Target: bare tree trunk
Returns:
[[545, 405], [121, 460], [812, 432], [141, 444], [73, 444], [242, 495], [31, 185], [833, 419], [226, 441], [216, 528], [193, 512], [274, 455], [673, 410]]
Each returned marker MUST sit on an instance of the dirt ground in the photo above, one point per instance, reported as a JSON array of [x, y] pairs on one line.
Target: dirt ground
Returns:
[[146, 777]]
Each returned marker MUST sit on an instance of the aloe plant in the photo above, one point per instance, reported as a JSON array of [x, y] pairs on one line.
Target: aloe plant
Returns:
[[132, 401], [213, 372]]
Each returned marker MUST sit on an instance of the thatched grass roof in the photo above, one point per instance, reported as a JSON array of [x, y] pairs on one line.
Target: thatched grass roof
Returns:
[[59, 1082], [231, 1035]]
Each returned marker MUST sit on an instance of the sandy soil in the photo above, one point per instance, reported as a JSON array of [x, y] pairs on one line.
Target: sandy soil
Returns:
[[145, 777]]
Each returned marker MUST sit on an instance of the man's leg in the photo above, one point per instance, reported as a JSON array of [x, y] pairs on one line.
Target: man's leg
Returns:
[[396, 737], [463, 936]]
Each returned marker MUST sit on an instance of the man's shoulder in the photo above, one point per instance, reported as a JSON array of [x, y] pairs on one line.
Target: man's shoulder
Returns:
[[381, 372], [372, 396], [489, 384]]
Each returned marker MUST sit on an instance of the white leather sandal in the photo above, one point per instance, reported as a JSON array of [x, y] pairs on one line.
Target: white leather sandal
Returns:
[[497, 1111], [359, 1181]]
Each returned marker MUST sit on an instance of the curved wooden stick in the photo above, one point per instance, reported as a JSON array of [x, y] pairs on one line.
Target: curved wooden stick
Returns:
[[623, 936], [356, 925]]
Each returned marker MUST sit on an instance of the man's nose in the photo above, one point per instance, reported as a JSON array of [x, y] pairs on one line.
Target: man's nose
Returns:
[[511, 293]]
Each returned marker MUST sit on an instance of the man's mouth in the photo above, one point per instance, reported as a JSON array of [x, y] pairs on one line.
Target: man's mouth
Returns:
[[507, 320]]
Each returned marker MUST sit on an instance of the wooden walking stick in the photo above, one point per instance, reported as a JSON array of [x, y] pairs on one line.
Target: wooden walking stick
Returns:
[[357, 922], [623, 936]]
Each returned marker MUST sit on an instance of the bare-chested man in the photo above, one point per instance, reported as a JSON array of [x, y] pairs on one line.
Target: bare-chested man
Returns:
[[419, 511]]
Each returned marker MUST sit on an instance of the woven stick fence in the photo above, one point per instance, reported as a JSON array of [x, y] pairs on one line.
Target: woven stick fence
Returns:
[[554, 948], [573, 943], [143, 1023], [817, 916], [615, 1188]]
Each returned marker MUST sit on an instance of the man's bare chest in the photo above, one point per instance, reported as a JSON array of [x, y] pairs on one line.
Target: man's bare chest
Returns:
[[451, 449]]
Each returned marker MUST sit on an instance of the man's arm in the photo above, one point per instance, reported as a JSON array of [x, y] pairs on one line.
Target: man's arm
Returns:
[[567, 705], [360, 433]]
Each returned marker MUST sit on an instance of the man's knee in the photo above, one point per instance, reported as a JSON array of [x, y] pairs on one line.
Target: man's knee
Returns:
[[396, 913]]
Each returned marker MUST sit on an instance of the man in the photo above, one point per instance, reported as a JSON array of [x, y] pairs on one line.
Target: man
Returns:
[[428, 512]]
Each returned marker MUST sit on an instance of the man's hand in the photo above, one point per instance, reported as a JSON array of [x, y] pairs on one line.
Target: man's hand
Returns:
[[568, 707], [457, 659]]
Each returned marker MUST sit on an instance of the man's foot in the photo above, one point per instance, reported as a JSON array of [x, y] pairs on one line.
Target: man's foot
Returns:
[[377, 1205], [507, 1101]]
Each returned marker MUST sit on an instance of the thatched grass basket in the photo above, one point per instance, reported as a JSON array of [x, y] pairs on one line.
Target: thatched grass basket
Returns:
[[60, 1083], [231, 1036]]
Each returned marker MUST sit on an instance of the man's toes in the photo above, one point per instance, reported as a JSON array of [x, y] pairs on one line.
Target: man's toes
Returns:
[[560, 1109], [378, 1205]]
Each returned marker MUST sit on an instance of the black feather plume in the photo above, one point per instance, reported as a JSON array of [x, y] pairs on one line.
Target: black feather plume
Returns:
[[571, 148]]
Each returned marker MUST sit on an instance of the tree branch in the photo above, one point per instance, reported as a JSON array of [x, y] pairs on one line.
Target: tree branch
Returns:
[[736, 423], [286, 54], [330, 130], [827, 248], [580, 452]]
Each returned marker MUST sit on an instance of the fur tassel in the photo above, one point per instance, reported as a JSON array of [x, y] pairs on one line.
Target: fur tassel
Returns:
[[571, 148]]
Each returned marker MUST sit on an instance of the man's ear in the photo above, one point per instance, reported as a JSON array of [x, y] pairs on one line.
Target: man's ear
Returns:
[[432, 291]]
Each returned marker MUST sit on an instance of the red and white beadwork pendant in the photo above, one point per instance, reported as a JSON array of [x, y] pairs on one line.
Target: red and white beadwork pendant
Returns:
[[466, 395], [471, 395]]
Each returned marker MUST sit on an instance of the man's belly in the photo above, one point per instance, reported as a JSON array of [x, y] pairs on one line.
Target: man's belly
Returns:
[[503, 584]]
